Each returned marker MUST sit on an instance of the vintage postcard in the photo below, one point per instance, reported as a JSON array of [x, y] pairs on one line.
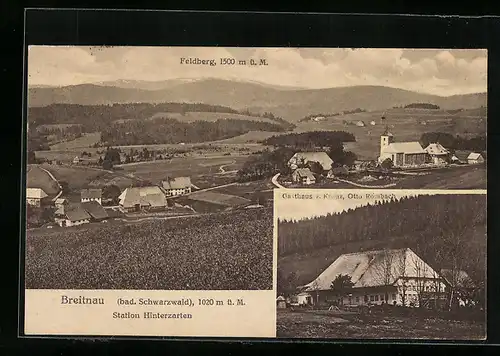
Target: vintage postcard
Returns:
[[150, 173], [381, 264]]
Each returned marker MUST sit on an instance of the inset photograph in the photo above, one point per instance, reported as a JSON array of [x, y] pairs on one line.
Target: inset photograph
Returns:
[[381, 264]]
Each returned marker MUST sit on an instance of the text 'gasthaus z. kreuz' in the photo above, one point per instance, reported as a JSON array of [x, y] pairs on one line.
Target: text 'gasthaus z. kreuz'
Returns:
[[227, 61]]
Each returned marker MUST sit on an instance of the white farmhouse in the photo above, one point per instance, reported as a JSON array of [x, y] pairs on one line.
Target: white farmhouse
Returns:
[[438, 154], [475, 158], [386, 276]]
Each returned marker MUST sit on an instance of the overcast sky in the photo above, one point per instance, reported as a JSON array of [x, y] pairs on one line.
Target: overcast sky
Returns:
[[296, 209], [441, 72]]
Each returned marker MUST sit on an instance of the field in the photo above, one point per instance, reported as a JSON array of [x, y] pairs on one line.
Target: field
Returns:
[[226, 251], [345, 325], [38, 178], [194, 167], [249, 137], [219, 198], [76, 177], [87, 140]]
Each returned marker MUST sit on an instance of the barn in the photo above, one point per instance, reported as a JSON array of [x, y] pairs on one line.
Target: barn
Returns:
[[475, 158], [438, 154], [139, 198]]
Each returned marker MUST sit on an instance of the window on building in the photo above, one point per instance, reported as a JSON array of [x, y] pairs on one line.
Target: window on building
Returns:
[[376, 298], [382, 297], [357, 299], [394, 296], [372, 298], [366, 298]]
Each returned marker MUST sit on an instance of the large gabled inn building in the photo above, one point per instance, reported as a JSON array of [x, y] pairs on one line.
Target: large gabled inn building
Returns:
[[402, 154], [396, 276]]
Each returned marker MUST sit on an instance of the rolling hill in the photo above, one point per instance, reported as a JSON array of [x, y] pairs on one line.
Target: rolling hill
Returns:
[[291, 104]]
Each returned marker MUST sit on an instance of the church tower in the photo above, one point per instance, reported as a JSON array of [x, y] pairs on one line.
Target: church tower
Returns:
[[385, 140]]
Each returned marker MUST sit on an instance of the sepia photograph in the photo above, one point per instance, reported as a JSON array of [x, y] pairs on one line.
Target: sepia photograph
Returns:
[[154, 167], [381, 264]]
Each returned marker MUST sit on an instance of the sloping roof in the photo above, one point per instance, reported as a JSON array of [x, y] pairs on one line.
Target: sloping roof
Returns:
[[474, 155], [95, 210], [280, 298], [387, 133], [461, 155], [177, 183], [404, 147], [77, 212], [458, 278], [320, 157], [91, 193], [371, 268], [35, 193], [60, 201], [436, 149], [304, 172], [145, 196]]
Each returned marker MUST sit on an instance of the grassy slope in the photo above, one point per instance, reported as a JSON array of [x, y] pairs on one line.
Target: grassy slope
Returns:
[[37, 178], [87, 140], [76, 177]]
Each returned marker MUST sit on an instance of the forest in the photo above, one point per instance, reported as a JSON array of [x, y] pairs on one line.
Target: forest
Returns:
[[477, 143], [446, 230], [165, 130], [310, 139], [312, 116], [95, 118]]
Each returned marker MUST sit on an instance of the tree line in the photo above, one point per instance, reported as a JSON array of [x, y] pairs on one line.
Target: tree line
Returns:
[[347, 112], [98, 117], [310, 139], [476, 143], [422, 106], [166, 130], [447, 231]]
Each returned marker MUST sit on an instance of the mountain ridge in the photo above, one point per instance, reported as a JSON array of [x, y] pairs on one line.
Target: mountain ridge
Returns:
[[291, 104]]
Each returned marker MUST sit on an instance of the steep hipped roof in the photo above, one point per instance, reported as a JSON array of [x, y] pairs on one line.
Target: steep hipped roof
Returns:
[[320, 157], [474, 155], [91, 193], [77, 212], [305, 173], [436, 149], [95, 210], [404, 147], [145, 196], [177, 183], [373, 268], [35, 193]]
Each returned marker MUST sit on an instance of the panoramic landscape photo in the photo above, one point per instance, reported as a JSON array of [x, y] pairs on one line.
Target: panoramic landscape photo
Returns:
[[143, 162], [382, 266]]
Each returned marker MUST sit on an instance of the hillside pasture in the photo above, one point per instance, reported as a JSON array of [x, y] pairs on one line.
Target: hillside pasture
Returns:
[[218, 198], [208, 116], [249, 137], [86, 141], [38, 178], [77, 177]]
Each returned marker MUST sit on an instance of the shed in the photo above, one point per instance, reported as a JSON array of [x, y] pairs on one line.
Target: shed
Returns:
[[475, 158], [280, 302]]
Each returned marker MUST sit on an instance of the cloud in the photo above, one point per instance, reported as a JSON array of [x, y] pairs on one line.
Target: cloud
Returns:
[[442, 72]]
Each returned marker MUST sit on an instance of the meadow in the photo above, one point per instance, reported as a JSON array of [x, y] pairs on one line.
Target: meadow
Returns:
[[345, 325], [226, 251], [38, 178]]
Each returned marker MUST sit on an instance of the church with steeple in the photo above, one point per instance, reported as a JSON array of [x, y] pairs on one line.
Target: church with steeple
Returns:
[[402, 154]]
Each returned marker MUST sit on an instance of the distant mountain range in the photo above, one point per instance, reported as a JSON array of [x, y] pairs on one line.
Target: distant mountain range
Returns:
[[290, 103]]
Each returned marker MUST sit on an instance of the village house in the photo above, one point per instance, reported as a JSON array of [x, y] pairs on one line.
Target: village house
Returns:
[[385, 276], [73, 215], [475, 158], [177, 186], [303, 176], [280, 302], [60, 205], [35, 196], [373, 123], [76, 160], [360, 124], [95, 210], [142, 198], [87, 195], [302, 158], [402, 154], [461, 284], [438, 154]]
